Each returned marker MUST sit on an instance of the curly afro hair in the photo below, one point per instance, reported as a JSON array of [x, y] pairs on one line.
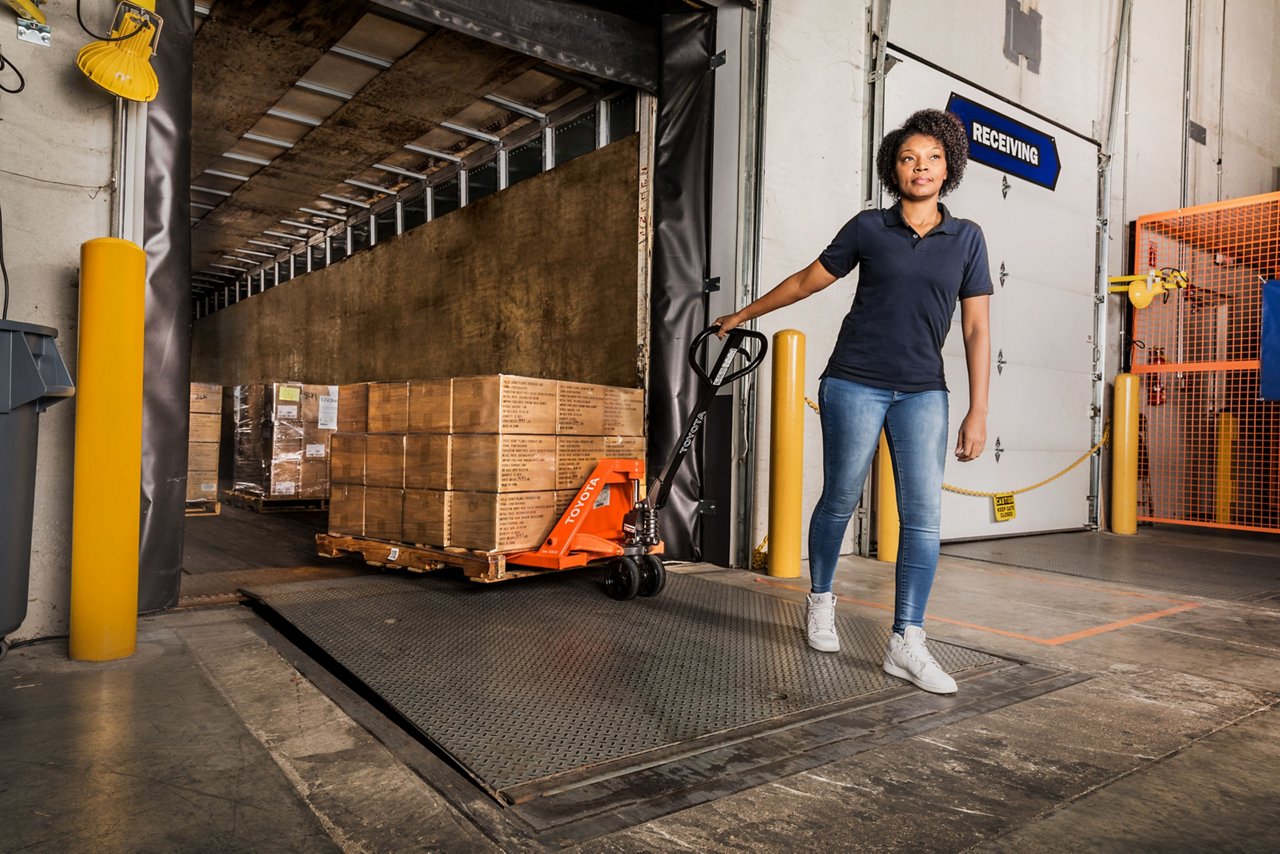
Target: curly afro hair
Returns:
[[945, 127]]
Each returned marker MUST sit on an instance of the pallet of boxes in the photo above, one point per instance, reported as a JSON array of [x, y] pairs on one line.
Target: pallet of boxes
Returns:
[[464, 471], [283, 433], [202, 450]]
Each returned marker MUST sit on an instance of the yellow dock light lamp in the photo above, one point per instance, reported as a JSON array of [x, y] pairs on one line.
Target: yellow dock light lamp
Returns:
[[121, 63], [1142, 290]]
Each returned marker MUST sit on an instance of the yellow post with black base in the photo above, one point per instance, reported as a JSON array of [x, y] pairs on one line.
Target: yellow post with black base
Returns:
[[108, 453]]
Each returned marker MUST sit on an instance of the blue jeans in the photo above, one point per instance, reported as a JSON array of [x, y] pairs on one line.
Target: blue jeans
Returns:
[[916, 426]]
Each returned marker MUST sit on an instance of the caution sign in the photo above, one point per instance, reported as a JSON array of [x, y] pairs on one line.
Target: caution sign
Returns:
[[1004, 507]]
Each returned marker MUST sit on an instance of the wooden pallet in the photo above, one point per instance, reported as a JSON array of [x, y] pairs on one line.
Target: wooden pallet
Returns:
[[204, 507], [485, 567], [271, 503]]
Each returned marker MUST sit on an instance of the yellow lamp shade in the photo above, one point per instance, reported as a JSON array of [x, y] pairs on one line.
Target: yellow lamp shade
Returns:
[[122, 65]]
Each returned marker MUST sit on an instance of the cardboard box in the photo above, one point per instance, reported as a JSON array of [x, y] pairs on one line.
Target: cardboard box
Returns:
[[353, 408], [623, 411], [315, 442], [384, 460], [383, 512], [346, 509], [346, 457], [202, 486], [205, 427], [501, 521], [206, 398], [202, 456], [313, 479], [577, 456], [428, 461], [283, 441], [286, 479], [320, 406], [286, 401], [426, 517], [431, 406], [388, 407], [503, 462], [579, 409], [501, 403]]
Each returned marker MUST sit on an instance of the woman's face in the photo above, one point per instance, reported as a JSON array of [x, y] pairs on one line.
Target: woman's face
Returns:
[[921, 167]]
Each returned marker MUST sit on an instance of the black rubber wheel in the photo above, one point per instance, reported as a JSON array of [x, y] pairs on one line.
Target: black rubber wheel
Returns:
[[653, 575], [622, 579]]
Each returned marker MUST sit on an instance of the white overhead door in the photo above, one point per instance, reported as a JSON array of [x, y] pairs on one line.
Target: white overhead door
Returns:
[[1040, 226]]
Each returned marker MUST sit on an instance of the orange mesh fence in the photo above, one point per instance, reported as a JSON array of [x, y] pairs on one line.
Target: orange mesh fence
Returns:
[[1209, 447]]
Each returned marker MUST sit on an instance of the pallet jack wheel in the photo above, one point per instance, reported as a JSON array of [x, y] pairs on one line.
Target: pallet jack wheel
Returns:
[[622, 579], [653, 575]]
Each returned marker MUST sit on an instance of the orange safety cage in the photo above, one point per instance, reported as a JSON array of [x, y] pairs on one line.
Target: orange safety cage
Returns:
[[1209, 446]]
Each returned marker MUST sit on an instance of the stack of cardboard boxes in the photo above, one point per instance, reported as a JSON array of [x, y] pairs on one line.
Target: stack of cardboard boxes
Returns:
[[486, 463], [282, 434], [202, 447]]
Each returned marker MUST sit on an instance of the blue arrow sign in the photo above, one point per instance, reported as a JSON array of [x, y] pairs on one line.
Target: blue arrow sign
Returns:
[[1010, 146]]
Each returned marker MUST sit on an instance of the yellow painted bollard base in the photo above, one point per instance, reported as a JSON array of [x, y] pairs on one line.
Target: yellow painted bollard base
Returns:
[[1124, 455], [786, 454], [108, 452]]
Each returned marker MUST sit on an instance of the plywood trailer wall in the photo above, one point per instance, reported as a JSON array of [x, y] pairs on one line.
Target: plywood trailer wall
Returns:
[[538, 280]]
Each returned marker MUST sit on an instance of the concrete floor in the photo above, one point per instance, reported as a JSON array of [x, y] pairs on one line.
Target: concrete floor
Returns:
[[208, 739]]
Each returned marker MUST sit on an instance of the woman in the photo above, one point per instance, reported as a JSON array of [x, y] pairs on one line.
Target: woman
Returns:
[[886, 372]]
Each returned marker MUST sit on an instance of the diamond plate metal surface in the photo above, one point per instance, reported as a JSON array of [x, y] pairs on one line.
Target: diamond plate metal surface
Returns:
[[526, 680], [1194, 565]]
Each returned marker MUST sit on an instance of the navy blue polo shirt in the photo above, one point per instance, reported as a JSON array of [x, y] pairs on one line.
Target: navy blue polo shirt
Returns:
[[907, 291]]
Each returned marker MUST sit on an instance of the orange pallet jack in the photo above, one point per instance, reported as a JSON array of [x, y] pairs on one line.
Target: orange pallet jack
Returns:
[[613, 520]]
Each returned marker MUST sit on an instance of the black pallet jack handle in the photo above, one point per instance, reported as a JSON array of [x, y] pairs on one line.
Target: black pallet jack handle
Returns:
[[738, 342]]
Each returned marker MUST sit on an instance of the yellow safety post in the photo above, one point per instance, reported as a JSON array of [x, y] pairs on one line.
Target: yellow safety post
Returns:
[[108, 454], [786, 454], [886, 506], [1225, 487], [1124, 455]]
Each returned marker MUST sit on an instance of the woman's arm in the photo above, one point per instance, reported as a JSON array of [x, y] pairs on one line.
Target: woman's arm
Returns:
[[792, 289], [976, 325]]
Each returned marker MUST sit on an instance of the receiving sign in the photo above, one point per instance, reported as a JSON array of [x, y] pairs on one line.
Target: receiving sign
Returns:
[[1010, 146]]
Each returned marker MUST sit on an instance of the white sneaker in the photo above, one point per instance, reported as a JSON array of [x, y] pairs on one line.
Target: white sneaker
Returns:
[[909, 658], [821, 622]]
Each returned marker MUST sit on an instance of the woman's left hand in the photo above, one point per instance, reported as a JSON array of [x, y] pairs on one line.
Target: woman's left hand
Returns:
[[972, 438]]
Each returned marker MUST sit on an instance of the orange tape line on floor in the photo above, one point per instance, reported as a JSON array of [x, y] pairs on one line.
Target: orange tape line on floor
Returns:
[[1061, 639]]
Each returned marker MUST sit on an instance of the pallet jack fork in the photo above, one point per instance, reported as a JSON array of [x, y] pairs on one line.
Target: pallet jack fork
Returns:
[[613, 520]]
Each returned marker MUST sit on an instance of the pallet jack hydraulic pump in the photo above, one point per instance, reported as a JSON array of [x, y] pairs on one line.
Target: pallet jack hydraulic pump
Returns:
[[613, 520]]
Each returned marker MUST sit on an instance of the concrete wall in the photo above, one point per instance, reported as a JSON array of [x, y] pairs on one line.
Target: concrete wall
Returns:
[[539, 279], [816, 112], [55, 192]]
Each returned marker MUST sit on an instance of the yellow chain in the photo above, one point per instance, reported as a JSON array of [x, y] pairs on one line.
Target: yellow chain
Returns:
[[759, 555]]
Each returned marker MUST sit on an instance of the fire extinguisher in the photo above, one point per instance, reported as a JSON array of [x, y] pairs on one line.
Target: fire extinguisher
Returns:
[[1155, 388]]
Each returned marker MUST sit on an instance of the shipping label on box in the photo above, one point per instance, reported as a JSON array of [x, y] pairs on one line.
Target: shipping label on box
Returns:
[[286, 478], [202, 485], [623, 411], [389, 407], [426, 517], [579, 409], [346, 457], [501, 403], [346, 509], [576, 457], [427, 461], [503, 462], [431, 406], [315, 441], [383, 512], [205, 427], [353, 408], [507, 521], [206, 398], [384, 460], [320, 404], [202, 456], [286, 401]]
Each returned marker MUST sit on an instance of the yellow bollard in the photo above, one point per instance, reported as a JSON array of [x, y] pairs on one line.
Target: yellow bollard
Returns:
[[1124, 455], [1224, 486], [786, 454], [886, 506], [108, 454]]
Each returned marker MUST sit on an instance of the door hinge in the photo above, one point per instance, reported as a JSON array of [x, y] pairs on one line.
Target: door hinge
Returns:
[[998, 449], [1000, 362], [716, 61], [711, 285], [707, 507]]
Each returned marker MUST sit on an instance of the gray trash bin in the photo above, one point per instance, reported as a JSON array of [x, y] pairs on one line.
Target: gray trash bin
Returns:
[[32, 378]]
